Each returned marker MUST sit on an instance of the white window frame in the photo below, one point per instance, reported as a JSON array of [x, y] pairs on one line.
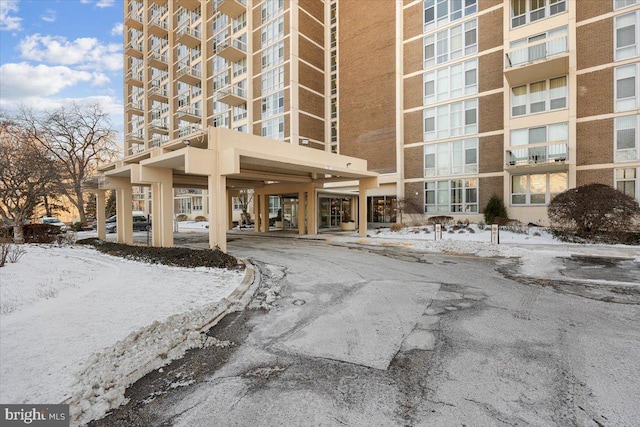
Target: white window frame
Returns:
[[527, 193], [272, 80], [432, 8], [451, 158], [273, 128], [272, 55], [183, 205], [621, 4], [627, 123], [442, 190], [273, 104], [548, 97], [270, 8], [450, 43], [442, 117], [624, 72], [630, 50], [272, 31], [438, 85], [549, 9], [627, 175]]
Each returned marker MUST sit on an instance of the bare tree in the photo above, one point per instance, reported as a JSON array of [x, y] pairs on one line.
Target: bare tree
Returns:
[[80, 138], [27, 171], [244, 200]]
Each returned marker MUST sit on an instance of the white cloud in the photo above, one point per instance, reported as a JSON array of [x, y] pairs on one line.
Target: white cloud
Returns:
[[86, 52], [24, 80], [118, 29], [105, 3], [7, 21], [49, 16]]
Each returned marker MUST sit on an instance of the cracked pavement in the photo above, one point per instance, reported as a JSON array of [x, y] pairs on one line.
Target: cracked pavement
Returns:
[[340, 336]]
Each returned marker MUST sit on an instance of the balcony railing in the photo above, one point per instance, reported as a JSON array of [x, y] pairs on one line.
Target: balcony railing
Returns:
[[188, 36], [537, 52], [190, 114], [158, 92], [158, 126], [232, 49], [135, 107], [232, 95], [134, 20], [134, 49], [137, 137], [188, 130], [190, 75], [158, 59], [537, 154], [231, 8], [158, 27], [135, 149]]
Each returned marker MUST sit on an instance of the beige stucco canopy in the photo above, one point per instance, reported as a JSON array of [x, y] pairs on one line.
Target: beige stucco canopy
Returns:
[[219, 160]]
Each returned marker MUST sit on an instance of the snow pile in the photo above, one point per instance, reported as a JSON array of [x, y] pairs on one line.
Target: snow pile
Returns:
[[102, 381], [78, 325]]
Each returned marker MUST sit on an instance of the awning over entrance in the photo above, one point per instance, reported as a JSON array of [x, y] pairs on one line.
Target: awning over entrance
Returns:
[[220, 160]]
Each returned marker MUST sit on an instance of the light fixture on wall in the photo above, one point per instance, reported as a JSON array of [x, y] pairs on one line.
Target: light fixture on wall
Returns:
[[304, 141], [186, 142], [348, 164]]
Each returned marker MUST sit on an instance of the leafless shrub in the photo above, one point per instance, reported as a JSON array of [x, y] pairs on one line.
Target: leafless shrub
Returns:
[[15, 253], [395, 227], [593, 212], [5, 248]]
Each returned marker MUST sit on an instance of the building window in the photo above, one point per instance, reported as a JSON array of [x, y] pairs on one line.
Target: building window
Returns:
[[272, 80], [272, 55], [627, 35], [626, 87], [271, 8], [239, 67], [273, 128], [455, 42], [451, 158], [627, 147], [527, 11], [537, 47], [446, 121], [628, 181], [197, 204], [183, 206], [451, 196], [441, 12], [537, 189], [239, 112], [539, 97], [451, 82], [542, 144], [619, 4], [272, 31], [274, 205], [273, 104]]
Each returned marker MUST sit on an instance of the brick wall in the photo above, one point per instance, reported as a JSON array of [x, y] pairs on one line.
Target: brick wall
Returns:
[[310, 53], [595, 44], [491, 154], [490, 71], [490, 114], [310, 127], [413, 127], [311, 28], [311, 102], [413, 92], [595, 176], [586, 9], [490, 30], [414, 162], [413, 56], [411, 188], [413, 20], [595, 93], [489, 186], [315, 8], [367, 82], [594, 142]]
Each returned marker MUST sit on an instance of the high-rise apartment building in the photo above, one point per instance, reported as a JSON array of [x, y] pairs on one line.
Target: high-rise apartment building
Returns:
[[448, 101]]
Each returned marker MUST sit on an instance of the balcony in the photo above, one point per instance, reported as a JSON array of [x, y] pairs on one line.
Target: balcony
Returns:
[[135, 149], [188, 36], [158, 27], [158, 60], [134, 78], [231, 8], [232, 95], [184, 131], [134, 20], [189, 114], [136, 108], [158, 93], [232, 49], [188, 4], [541, 157], [134, 49], [537, 61], [189, 75], [135, 137], [158, 126]]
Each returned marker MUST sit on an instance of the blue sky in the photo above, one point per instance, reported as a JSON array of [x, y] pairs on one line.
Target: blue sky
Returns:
[[55, 52]]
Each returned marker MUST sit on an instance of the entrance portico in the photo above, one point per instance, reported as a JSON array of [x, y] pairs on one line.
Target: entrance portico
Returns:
[[223, 161]]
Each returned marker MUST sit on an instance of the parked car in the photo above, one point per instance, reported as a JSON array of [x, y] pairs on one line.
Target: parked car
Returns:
[[52, 220], [140, 223]]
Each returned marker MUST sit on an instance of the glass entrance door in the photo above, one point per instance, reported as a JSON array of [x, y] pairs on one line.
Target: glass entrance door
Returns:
[[290, 214]]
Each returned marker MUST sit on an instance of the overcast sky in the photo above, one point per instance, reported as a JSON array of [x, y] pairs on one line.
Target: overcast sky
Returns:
[[54, 52]]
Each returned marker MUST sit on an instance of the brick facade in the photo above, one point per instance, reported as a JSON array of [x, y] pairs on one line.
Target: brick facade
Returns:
[[595, 142], [490, 115], [595, 93], [414, 162], [590, 53], [491, 154], [489, 186], [597, 176]]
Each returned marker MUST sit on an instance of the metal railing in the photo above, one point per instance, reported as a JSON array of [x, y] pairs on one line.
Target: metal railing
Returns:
[[537, 154], [537, 52]]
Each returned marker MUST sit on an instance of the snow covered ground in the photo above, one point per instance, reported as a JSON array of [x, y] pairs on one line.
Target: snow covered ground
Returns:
[[75, 323]]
